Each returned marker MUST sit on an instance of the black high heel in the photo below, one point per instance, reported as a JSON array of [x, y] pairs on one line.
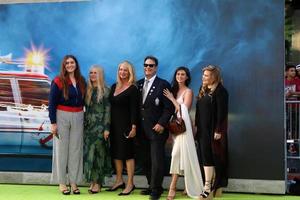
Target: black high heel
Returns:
[[206, 193], [127, 193], [91, 191], [66, 192], [76, 191], [111, 189]]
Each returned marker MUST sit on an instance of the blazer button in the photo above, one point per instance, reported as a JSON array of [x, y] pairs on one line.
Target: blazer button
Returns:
[[143, 118]]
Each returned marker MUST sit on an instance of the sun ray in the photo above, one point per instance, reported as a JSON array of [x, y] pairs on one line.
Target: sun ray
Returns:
[[36, 59]]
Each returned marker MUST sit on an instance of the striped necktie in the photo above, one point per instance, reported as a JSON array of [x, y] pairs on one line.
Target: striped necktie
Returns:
[[145, 87]]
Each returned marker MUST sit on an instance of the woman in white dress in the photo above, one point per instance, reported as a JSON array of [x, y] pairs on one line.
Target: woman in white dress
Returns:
[[184, 156]]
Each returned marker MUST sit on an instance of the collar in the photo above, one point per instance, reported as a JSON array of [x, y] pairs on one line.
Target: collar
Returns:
[[151, 79]]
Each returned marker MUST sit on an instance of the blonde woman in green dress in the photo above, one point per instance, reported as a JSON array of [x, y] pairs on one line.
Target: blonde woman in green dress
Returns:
[[97, 160]]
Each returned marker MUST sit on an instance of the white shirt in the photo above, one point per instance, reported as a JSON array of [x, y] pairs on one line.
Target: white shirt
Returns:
[[151, 80]]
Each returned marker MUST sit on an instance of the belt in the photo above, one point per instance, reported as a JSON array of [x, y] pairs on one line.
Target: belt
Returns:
[[70, 108]]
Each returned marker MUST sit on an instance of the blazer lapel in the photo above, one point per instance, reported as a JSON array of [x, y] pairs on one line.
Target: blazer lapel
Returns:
[[151, 90], [140, 86]]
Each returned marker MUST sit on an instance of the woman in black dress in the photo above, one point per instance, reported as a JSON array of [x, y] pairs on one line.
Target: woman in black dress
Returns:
[[211, 122], [124, 105]]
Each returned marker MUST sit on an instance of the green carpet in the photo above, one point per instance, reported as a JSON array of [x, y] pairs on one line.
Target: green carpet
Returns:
[[38, 192]]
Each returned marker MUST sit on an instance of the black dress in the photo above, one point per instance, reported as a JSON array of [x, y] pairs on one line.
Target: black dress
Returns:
[[212, 116], [124, 109]]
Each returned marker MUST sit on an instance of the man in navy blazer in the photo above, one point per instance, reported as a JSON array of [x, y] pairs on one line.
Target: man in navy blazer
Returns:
[[155, 112]]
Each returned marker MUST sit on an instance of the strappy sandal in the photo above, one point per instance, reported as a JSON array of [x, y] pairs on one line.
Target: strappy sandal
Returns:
[[76, 191], [64, 189], [66, 192], [91, 191], [207, 192], [171, 197]]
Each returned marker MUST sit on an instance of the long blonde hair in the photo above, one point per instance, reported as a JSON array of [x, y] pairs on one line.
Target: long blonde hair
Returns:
[[100, 85], [216, 75], [131, 79]]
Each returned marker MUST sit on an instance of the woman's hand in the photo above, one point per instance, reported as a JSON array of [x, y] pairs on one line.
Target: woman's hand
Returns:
[[170, 96], [106, 135], [132, 133], [217, 136], [53, 129]]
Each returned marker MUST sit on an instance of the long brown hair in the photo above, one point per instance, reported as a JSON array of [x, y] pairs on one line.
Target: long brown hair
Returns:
[[101, 86], [175, 86], [216, 74], [64, 77]]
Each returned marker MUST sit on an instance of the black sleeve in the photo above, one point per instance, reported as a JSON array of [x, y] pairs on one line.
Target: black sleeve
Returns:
[[222, 110], [168, 107], [53, 101], [107, 112], [134, 105], [196, 114]]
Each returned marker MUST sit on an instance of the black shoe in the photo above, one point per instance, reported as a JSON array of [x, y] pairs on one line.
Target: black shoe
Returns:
[[66, 192], [111, 189], [76, 191], [127, 193], [154, 197], [206, 195], [146, 191]]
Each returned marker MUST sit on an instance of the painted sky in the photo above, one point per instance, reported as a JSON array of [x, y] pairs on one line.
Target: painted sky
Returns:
[[228, 33]]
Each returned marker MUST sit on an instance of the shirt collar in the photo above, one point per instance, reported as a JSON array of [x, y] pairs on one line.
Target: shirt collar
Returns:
[[151, 79]]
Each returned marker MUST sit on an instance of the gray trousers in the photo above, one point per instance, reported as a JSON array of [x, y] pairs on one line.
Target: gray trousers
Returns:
[[67, 160]]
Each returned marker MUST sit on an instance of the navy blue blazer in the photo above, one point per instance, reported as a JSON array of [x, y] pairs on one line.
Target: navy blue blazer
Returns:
[[156, 109]]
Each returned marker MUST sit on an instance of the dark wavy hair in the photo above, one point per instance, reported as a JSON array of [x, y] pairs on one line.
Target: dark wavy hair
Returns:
[[151, 58], [175, 86]]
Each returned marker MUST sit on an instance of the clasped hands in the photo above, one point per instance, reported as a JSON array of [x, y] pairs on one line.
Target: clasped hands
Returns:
[[132, 133], [217, 136]]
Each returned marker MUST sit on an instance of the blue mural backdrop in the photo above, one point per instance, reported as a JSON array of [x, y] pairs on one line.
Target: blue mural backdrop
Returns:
[[245, 38], [192, 33]]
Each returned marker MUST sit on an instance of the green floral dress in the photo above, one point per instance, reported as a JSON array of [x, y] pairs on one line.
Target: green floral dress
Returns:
[[97, 160]]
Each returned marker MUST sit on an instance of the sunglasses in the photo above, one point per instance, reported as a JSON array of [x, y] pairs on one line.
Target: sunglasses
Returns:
[[149, 65]]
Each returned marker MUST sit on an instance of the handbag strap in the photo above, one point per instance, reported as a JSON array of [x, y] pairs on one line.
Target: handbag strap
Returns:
[[180, 114]]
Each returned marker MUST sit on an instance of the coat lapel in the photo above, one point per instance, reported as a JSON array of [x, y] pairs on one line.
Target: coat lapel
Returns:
[[151, 91]]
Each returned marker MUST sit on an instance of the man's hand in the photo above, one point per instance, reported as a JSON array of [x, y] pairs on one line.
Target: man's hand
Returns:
[[158, 128]]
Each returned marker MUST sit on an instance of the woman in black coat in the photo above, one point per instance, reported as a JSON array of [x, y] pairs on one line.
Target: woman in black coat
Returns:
[[211, 122]]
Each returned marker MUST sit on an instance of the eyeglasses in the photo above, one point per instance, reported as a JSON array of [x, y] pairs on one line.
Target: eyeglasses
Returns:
[[149, 65]]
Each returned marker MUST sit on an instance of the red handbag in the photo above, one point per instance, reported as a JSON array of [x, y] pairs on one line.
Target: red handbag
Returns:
[[176, 125]]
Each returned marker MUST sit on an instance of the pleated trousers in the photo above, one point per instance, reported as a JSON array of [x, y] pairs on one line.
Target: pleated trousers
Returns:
[[67, 160]]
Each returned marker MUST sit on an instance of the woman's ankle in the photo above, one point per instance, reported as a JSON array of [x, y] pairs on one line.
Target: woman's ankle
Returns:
[[207, 186]]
